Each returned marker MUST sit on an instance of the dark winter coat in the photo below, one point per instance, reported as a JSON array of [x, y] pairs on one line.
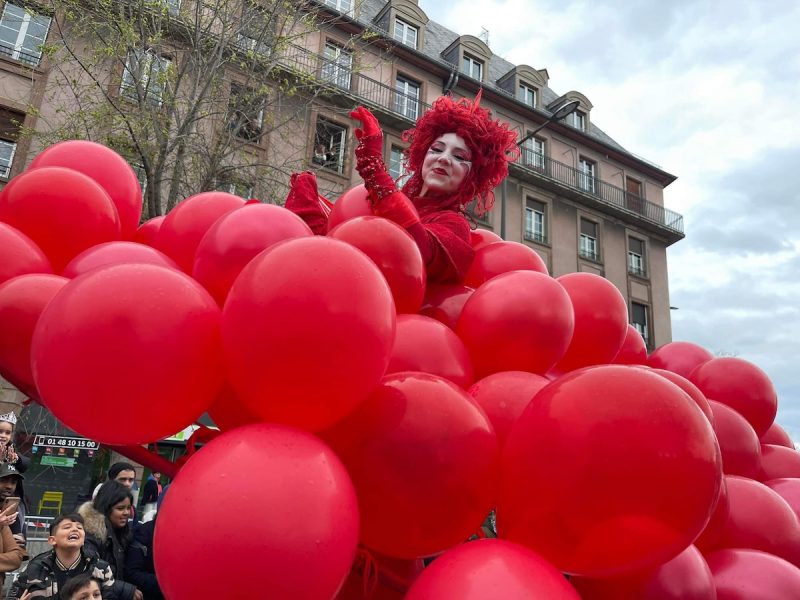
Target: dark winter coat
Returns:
[[139, 567], [102, 540]]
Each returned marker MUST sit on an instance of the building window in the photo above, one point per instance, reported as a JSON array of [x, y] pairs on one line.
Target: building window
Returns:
[[245, 113], [22, 34], [173, 6], [533, 153], [527, 94], [397, 168], [407, 98], [405, 33], [587, 247], [338, 65], [472, 67], [330, 139], [10, 122], [145, 77], [141, 176], [237, 188], [640, 321], [633, 195], [577, 119], [535, 221], [7, 150], [344, 6], [636, 262], [587, 180]]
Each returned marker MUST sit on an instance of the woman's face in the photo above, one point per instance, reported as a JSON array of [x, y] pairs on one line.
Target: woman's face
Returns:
[[446, 165], [120, 513], [6, 431]]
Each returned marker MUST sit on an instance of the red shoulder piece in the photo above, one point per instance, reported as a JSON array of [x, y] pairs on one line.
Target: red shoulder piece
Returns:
[[452, 251]]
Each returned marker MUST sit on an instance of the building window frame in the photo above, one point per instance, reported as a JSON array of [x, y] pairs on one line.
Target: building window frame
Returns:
[[641, 321], [535, 226], [577, 120], [407, 95], [237, 188], [528, 94], [333, 137], [145, 70], [588, 240], [7, 151], [397, 166], [472, 66], [24, 48], [587, 175], [533, 153], [337, 66], [637, 257], [245, 114], [405, 33], [343, 6]]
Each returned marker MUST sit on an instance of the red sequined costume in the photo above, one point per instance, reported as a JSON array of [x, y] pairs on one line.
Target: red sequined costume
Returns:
[[437, 224]]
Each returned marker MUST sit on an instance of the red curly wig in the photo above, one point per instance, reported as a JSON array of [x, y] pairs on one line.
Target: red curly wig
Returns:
[[492, 143]]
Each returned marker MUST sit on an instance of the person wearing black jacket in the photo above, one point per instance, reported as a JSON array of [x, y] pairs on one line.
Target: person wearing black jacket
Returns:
[[47, 573]]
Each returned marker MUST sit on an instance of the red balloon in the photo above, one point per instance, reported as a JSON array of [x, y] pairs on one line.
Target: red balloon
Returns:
[[760, 519], [426, 345], [423, 459], [228, 412], [742, 386], [518, 321], [395, 253], [482, 237], [236, 238], [108, 169], [741, 574], [445, 302], [491, 570], [116, 253], [777, 435], [379, 577], [595, 473], [679, 357], [147, 233], [501, 257], [503, 396], [187, 223], [685, 577], [308, 328], [63, 211], [779, 461], [303, 540], [691, 389], [20, 254], [130, 335], [601, 320], [741, 451], [22, 300], [353, 203], [787, 488], [709, 539], [633, 351]]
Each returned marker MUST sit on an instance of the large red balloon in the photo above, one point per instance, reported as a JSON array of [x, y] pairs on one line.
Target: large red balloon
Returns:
[[128, 336], [679, 357], [187, 223], [491, 570], [20, 254], [601, 321], [147, 233], [761, 520], [22, 300], [353, 203], [501, 257], [479, 238], [503, 396], [712, 533], [423, 458], [444, 302], [741, 452], [302, 541], [228, 412], [308, 328], [777, 435], [634, 350], [741, 574], [595, 472], [63, 211], [425, 344], [787, 488], [691, 389], [395, 253], [779, 461], [742, 386], [685, 577], [116, 253], [518, 321], [108, 169], [236, 238]]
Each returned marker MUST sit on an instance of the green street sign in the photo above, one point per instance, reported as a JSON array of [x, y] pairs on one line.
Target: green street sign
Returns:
[[58, 461]]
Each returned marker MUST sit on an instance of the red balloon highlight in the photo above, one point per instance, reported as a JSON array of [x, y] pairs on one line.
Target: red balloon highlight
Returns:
[[142, 335], [301, 544], [236, 238], [116, 253], [423, 459], [308, 328], [679, 357], [501, 257], [63, 211], [21, 255], [595, 472]]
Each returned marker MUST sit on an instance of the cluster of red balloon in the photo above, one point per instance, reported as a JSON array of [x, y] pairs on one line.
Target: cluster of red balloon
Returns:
[[359, 405]]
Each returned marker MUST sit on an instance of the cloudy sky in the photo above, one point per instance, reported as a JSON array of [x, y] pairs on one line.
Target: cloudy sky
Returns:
[[709, 91]]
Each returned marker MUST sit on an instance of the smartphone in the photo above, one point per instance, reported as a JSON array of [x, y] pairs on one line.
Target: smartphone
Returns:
[[10, 504]]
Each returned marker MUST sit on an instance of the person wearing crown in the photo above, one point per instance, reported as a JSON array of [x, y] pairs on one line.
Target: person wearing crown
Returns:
[[13, 486], [457, 154]]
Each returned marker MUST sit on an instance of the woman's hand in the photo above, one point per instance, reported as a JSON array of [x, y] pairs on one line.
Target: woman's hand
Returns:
[[26, 595], [8, 519], [369, 124]]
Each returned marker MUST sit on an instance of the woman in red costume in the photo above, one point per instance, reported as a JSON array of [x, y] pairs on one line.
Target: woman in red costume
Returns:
[[457, 153]]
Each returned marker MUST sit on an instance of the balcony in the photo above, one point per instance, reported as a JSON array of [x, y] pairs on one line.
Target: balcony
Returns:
[[13, 53]]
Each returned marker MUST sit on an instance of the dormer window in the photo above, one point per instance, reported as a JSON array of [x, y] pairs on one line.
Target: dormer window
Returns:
[[405, 33], [577, 120], [344, 6], [472, 66], [527, 94]]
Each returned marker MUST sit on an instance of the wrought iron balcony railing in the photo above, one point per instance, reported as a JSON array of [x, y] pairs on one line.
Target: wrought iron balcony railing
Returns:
[[20, 55]]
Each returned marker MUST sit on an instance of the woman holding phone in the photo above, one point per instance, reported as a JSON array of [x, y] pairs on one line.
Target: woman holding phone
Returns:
[[10, 552]]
